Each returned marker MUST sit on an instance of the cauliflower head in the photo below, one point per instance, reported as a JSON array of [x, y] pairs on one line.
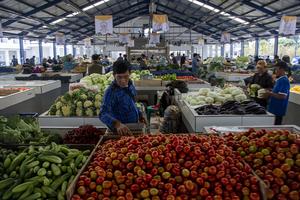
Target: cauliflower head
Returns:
[[89, 112], [79, 112], [66, 110], [87, 104], [58, 105]]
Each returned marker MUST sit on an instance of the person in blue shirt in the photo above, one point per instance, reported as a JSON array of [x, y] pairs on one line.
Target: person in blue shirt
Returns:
[[279, 96], [118, 107]]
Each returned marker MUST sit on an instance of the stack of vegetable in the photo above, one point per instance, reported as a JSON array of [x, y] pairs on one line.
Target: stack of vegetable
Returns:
[[216, 64], [137, 75], [169, 77], [86, 134], [39, 172], [79, 102], [232, 108], [296, 89], [98, 81], [15, 130], [242, 62], [215, 96]]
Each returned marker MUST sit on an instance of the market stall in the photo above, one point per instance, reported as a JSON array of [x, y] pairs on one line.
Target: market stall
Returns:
[[233, 77], [45, 92], [293, 110], [16, 100], [65, 78]]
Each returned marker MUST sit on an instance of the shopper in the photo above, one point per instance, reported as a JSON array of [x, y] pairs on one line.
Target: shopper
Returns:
[[105, 60], [14, 61], [195, 66], [276, 59], [263, 79], [287, 60], [279, 96], [125, 58], [32, 61], [120, 57], [182, 60], [173, 58], [95, 67], [119, 106]]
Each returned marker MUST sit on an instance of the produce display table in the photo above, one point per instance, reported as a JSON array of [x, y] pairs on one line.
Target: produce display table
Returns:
[[62, 130], [45, 92], [232, 77], [293, 110], [19, 102], [65, 78], [58, 121], [238, 129], [196, 123]]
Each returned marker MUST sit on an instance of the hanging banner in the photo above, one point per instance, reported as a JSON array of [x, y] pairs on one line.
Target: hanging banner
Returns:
[[225, 37], [1, 30], [201, 41], [288, 25], [154, 38], [130, 43], [60, 38], [124, 38], [160, 23], [87, 42], [104, 24]]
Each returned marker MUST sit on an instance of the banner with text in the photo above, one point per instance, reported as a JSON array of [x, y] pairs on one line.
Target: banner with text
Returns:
[[124, 38], [225, 37], [87, 42], [154, 38], [160, 23], [288, 25], [60, 38], [104, 24]]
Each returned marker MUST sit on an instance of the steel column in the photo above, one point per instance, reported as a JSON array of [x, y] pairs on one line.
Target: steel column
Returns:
[[41, 51], [54, 49], [276, 45], [65, 49], [21, 44], [222, 50], [74, 50], [256, 46], [231, 50], [242, 47]]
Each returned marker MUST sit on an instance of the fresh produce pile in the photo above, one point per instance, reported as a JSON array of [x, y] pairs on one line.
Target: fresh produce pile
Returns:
[[86, 134], [232, 108], [215, 96], [187, 78], [79, 102], [167, 167], [242, 62], [275, 158], [296, 89], [98, 81], [138, 74], [168, 77], [15, 130], [39, 172]]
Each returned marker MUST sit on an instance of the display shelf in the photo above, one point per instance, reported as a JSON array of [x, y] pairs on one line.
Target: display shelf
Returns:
[[15, 98], [293, 109], [63, 77], [294, 98], [39, 87], [46, 120], [232, 77], [196, 123], [237, 129], [62, 130]]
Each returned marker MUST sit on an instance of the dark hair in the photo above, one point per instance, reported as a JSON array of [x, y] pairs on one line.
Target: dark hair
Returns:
[[276, 57], [95, 57], [282, 65], [286, 59], [121, 67], [194, 55]]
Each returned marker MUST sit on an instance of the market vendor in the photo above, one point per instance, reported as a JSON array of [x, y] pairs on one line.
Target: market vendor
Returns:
[[263, 79], [95, 67], [118, 107], [278, 98]]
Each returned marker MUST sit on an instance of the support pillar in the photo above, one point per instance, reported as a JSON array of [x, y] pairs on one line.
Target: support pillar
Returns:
[[74, 50], [65, 49], [242, 47], [276, 45], [256, 46], [22, 54], [41, 56], [222, 50], [54, 49], [231, 50]]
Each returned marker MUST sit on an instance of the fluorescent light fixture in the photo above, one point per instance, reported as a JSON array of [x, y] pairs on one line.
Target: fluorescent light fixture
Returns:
[[45, 26], [95, 5], [217, 10], [73, 14], [57, 21]]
